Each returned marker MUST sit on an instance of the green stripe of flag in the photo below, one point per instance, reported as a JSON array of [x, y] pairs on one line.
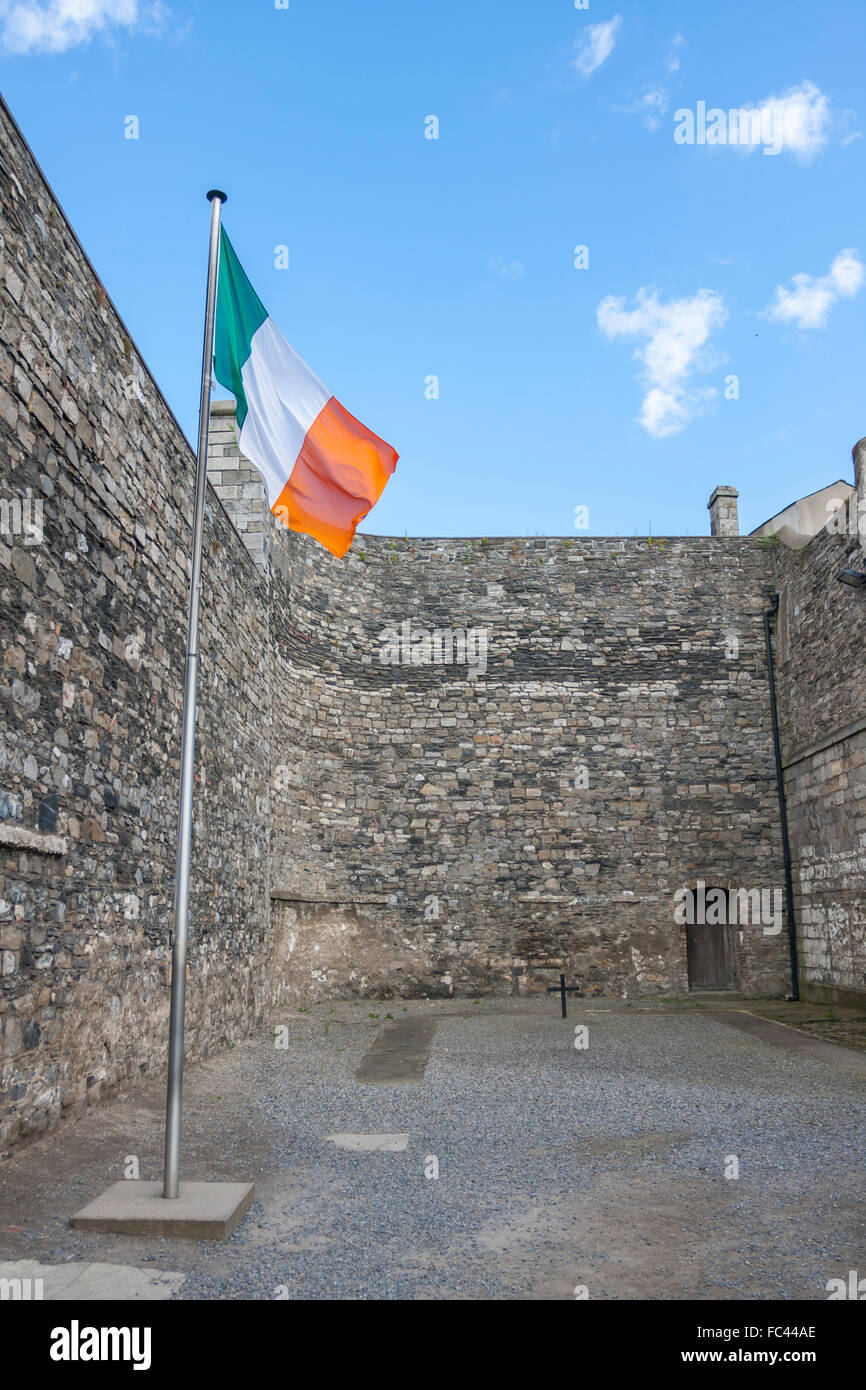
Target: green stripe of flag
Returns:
[[239, 314]]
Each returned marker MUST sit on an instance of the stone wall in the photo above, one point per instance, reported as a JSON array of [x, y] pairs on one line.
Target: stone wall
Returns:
[[437, 830], [92, 639], [432, 767], [821, 655]]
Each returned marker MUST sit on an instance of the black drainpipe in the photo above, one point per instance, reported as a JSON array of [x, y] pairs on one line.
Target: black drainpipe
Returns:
[[783, 805]]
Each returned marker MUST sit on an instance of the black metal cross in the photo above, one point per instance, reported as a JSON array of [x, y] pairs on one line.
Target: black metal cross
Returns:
[[563, 989]]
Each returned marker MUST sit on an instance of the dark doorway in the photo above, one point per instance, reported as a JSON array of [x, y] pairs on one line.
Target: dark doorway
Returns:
[[710, 959]]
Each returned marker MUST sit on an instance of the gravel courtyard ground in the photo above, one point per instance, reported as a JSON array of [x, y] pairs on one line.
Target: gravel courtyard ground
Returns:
[[558, 1166]]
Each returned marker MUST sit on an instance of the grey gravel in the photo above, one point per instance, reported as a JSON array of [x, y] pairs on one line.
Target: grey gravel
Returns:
[[558, 1167]]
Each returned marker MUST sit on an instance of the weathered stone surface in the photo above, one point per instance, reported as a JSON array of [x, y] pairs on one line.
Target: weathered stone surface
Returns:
[[822, 677], [536, 816], [92, 633]]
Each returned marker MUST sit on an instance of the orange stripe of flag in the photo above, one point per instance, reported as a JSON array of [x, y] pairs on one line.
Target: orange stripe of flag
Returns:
[[338, 476]]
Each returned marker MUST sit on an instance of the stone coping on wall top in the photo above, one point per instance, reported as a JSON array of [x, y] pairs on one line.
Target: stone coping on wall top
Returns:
[[18, 837], [440, 545], [291, 895], [587, 899], [575, 547], [838, 736]]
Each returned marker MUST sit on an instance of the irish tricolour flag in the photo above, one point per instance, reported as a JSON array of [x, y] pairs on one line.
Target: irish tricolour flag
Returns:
[[323, 469]]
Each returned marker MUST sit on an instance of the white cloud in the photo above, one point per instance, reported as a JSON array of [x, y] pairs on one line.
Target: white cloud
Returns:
[[673, 58], [807, 303], [596, 46], [651, 107], [846, 120], [53, 26], [509, 270], [800, 119], [675, 346]]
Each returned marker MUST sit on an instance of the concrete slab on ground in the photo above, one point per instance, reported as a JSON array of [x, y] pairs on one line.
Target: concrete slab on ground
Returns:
[[201, 1211], [781, 1034], [27, 1280], [371, 1143], [399, 1054]]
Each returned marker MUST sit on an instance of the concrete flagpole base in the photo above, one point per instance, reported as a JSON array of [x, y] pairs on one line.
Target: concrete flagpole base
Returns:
[[202, 1211]]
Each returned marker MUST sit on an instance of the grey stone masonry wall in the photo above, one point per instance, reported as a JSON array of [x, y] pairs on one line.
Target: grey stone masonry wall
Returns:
[[438, 830], [96, 484], [821, 655], [238, 484], [858, 455]]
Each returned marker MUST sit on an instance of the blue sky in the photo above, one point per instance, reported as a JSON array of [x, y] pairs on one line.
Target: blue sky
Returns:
[[454, 257]]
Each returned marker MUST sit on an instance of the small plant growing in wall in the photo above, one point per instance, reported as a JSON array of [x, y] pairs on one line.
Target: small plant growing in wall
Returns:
[[769, 542], [392, 554]]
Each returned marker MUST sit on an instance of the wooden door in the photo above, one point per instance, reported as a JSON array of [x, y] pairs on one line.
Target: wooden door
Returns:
[[710, 960]]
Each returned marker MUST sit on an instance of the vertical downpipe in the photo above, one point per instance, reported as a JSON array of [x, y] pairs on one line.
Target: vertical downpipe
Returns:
[[783, 804]]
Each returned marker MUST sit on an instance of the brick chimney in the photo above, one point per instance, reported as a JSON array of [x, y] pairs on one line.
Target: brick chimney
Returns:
[[723, 511]]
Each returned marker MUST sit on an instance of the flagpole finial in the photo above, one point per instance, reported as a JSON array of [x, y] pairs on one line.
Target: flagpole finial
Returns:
[[217, 193]]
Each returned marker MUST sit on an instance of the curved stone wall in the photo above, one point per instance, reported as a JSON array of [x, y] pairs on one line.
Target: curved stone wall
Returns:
[[438, 826]]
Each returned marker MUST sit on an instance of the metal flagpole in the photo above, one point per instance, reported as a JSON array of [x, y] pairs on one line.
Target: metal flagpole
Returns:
[[187, 755]]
